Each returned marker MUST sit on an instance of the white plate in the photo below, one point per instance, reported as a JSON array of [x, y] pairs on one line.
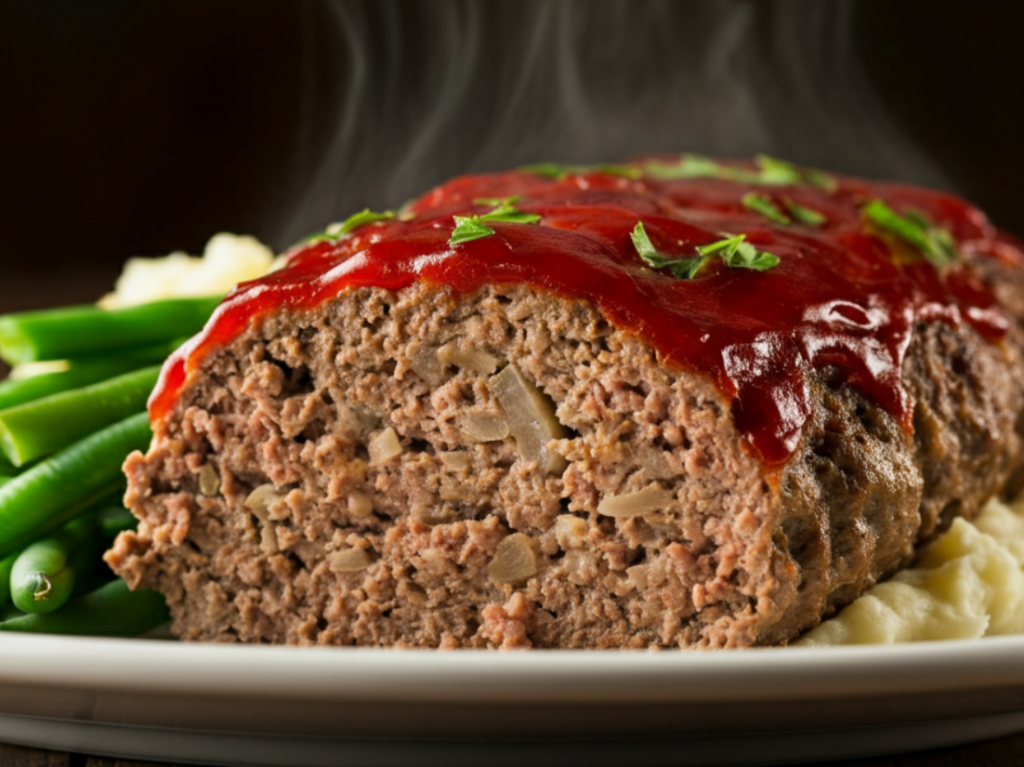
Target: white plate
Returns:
[[278, 705]]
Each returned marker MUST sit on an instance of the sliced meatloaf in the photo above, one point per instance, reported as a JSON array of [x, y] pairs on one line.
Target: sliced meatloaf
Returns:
[[452, 462]]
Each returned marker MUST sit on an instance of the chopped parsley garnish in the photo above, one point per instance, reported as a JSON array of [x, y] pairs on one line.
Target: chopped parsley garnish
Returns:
[[935, 243], [557, 170], [684, 268], [773, 171], [405, 212], [350, 224], [474, 227], [468, 228], [768, 171], [496, 202], [820, 179], [745, 256], [803, 214], [734, 251], [762, 203]]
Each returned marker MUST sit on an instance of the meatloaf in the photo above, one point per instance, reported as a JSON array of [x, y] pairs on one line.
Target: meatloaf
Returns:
[[671, 403]]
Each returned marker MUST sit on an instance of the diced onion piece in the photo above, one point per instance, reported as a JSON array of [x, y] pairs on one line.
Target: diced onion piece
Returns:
[[259, 502], [637, 575], [456, 460], [531, 417], [260, 499], [570, 531], [349, 560], [356, 422], [209, 481], [652, 498], [425, 363], [515, 560], [359, 504], [481, 427], [384, 447], [471, 359]]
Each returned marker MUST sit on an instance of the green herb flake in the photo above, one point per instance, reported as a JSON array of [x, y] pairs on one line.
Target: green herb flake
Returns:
[[734, 251], [684, 268], [935, 243], [769, 171], [469, 228], [803, 214], [405, 212], [557, 170], [821, 179], [496, 202], [363, 217], [510, 214], [724, 248], [777, 172], [762, 203], [645, 248], [746, 256], [546, 169], [688, 166], [338, 230]]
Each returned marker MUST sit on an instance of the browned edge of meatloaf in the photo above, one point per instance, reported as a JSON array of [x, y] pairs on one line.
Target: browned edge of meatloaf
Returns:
[[345, 543]]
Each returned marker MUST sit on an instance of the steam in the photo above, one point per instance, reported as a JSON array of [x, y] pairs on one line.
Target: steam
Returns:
[[429, 89]]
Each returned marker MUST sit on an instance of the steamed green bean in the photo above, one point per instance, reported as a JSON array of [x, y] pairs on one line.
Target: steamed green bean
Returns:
[[82, 372], [41, 427], [42, 582], [79, 331], [44, 574], [110, 610], [115, 519], [61, 487], [6, 564]]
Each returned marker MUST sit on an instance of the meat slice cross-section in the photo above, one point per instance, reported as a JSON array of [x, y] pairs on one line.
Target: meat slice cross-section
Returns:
[[545, 437]]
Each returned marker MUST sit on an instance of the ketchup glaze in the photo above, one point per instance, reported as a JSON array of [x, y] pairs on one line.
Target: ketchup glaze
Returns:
[[844, 295]]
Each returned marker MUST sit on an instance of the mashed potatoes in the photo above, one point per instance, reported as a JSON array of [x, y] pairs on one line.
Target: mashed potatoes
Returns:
[[968, 583], [227, 260]]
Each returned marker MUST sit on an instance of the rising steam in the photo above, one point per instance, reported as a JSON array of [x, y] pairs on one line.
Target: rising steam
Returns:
[[428, 89]]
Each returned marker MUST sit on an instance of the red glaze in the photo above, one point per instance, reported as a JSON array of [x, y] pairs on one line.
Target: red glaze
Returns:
[[843, 295]]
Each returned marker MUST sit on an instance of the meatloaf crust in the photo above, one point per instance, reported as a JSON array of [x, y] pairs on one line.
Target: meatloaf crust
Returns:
[[350, 544]]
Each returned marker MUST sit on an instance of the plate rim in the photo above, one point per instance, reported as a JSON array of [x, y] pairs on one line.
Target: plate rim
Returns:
[[518, 677]]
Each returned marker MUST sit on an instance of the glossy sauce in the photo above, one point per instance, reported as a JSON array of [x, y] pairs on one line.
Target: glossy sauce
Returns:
[[844, 295]]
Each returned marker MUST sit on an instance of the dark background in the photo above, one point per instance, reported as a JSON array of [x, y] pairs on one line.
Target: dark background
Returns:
[[142, 127], [139, 128]]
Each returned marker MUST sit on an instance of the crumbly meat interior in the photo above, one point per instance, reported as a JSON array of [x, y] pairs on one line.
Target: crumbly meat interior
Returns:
[[349, 476]]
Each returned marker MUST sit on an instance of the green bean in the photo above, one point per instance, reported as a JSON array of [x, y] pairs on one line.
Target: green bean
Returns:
[[44, 574], [77, 331], [110, 610], [82, 372], [42, 582], [46, 425], [113, 499], [58, 489], [114, 520], [6, 564]]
